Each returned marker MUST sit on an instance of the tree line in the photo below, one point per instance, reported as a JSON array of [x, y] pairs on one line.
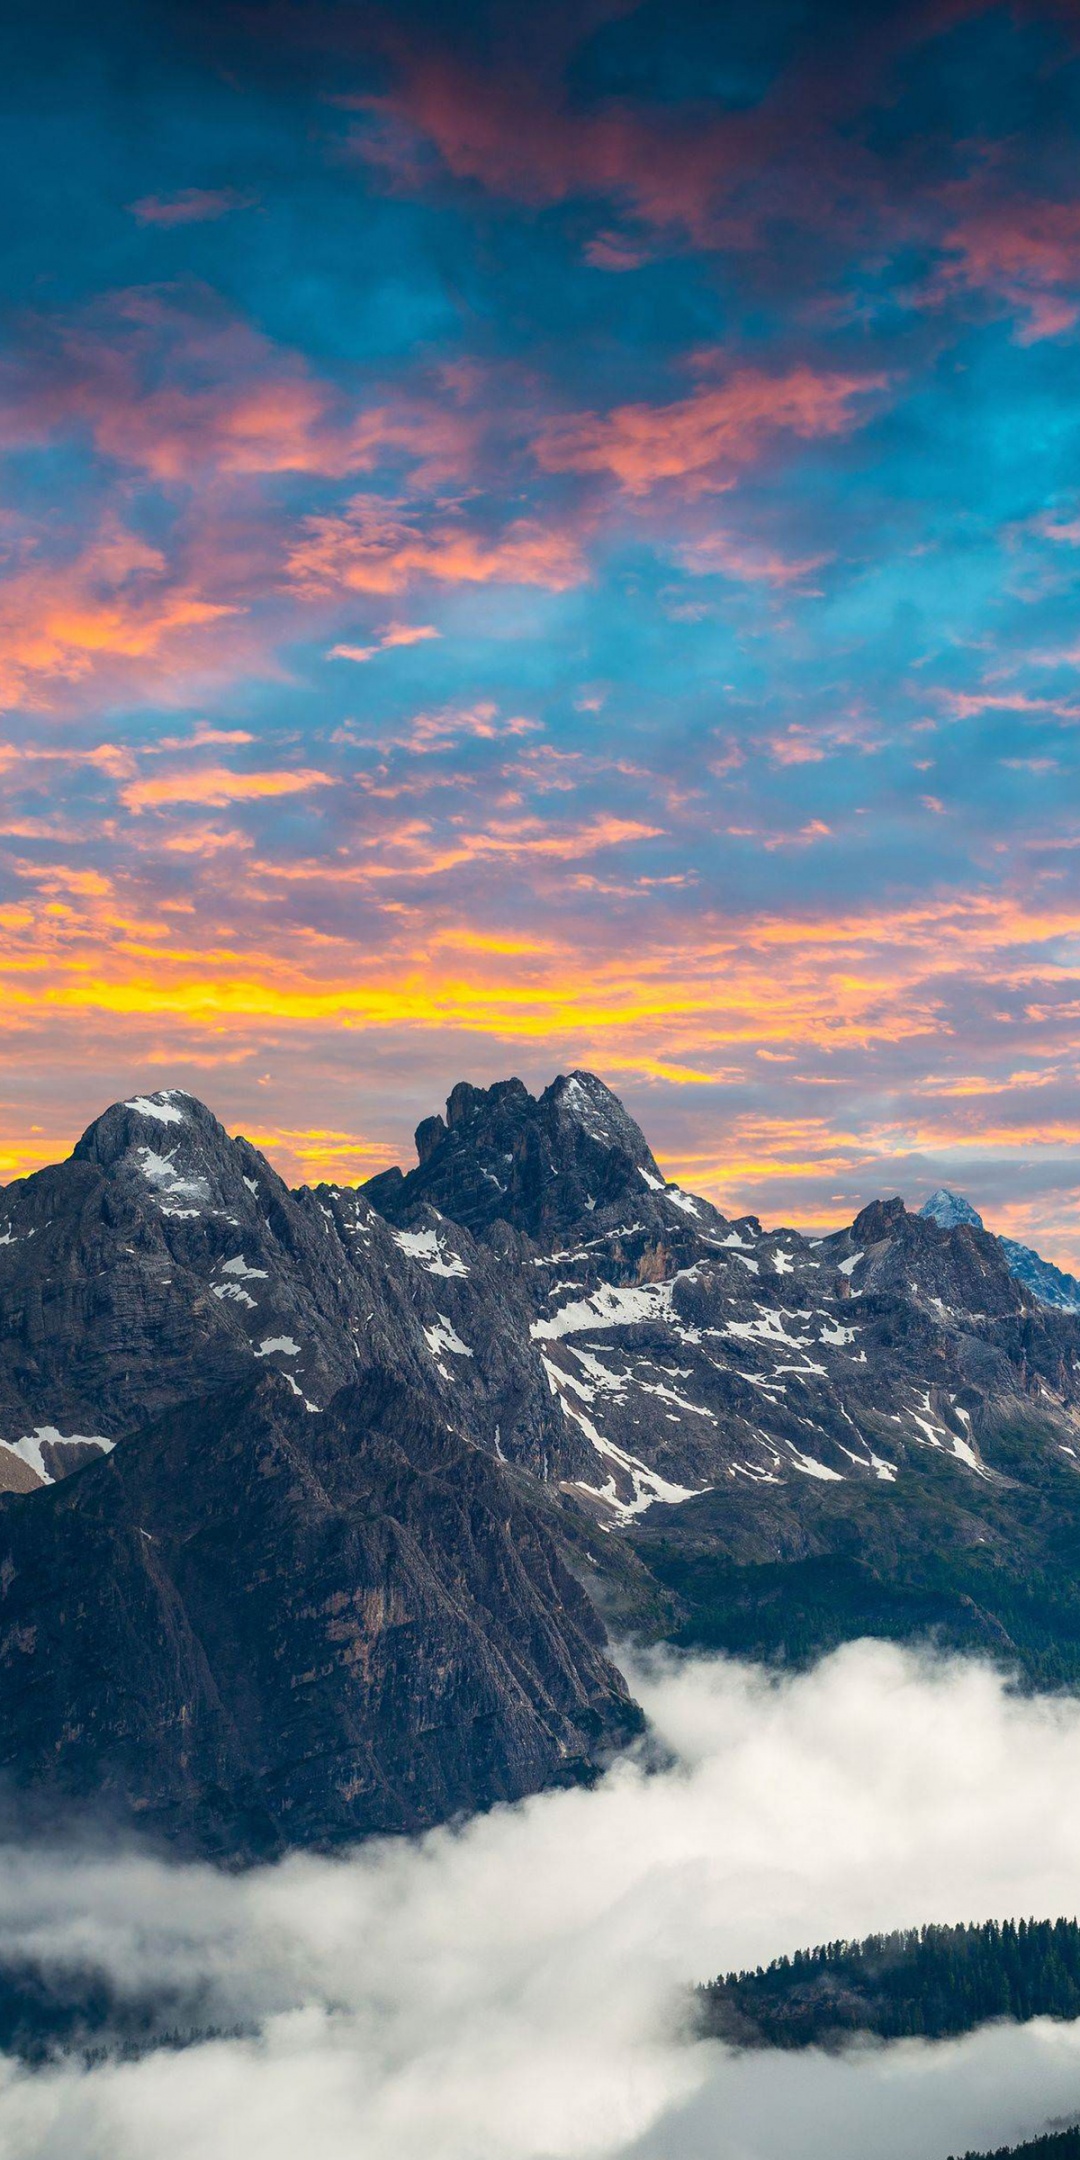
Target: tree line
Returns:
[[1057, 2145], [927, 1983]]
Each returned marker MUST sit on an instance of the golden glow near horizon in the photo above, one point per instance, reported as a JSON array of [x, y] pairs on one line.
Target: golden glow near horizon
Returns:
[[662, 661]]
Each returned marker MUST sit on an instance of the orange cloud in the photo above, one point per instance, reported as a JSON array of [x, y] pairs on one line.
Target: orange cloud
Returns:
[[214, 786], [116, 604], [316, 1155], [410, 850]]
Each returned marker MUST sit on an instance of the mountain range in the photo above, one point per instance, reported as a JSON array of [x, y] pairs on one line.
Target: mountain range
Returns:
[[317, 1505]]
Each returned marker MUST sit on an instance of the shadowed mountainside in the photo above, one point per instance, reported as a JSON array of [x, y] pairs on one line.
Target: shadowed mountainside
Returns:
[[303, 1489]]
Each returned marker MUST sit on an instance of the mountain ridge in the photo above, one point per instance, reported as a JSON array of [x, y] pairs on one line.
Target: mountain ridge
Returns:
[[693, 1426]]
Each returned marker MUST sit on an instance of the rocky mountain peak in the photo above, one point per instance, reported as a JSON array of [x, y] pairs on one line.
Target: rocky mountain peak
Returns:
[[539, 1163], [1050, 1285], [167, 1115], [465, 1103], [163, 1260], [948, 1209], [882, 1219], [173, 1146], [584, 1100]]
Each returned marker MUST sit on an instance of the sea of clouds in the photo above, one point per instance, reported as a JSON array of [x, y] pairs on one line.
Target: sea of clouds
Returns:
[[515, 1989]]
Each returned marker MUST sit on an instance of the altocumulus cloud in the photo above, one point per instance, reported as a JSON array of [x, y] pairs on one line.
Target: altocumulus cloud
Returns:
[[513, 1990]]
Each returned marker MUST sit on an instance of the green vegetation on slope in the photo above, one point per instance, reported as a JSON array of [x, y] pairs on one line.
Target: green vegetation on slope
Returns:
[[929, 1983], [986, 1568]]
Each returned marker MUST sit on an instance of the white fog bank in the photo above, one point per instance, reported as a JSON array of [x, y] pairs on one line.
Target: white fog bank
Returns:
[[511, 1991]]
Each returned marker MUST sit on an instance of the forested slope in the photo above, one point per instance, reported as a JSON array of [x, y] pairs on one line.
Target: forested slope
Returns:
[[928, 1983]]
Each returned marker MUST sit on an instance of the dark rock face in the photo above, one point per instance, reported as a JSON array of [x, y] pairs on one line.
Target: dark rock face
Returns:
[[322, 1460], [503, 1155], [165, 1260], [257, 1627], [1049, 1285]]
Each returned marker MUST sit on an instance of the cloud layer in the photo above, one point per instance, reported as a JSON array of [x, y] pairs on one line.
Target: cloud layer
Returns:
[[543, 543], [514, 1990]]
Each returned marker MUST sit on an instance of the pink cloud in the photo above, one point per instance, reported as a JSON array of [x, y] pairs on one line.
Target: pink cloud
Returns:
[[693, 170], [1022, 251], [175, 385], [745, 560], [483, 722], [614, 251], [796, 747], [395, 634], [966, 704], [373, 548], [1066, 531], [191, 206], [704, 440], [399, 633]]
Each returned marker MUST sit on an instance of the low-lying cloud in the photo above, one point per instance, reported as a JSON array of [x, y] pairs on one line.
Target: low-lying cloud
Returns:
[[515, 1989]]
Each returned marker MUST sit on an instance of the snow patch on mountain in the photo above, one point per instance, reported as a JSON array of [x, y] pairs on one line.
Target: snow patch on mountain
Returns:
[[161, 1106], [424, 1246], [29, 1448], [607, 1307], [158, 1171]]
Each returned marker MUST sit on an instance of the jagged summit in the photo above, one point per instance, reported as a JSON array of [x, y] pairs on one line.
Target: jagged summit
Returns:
[[1050, 1285], [537, 1162], [948, 1209], [164, 1260]]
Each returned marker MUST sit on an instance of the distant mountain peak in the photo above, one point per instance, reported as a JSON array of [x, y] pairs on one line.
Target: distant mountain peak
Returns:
[[949, 1209], [1049, 1284]]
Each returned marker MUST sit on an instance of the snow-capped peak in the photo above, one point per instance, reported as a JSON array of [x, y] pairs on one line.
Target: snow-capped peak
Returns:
[[162, 1106], [948, 1209]]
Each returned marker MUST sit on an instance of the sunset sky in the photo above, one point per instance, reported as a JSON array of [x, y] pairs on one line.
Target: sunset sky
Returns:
[[549, 536]]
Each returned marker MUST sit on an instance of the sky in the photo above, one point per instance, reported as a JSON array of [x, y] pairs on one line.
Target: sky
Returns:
[[548, 537], [517, 1988]]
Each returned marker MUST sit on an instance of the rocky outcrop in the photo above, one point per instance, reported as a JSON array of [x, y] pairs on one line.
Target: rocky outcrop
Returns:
[[539, 1163], [255, 1627], [1049, 1285]]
